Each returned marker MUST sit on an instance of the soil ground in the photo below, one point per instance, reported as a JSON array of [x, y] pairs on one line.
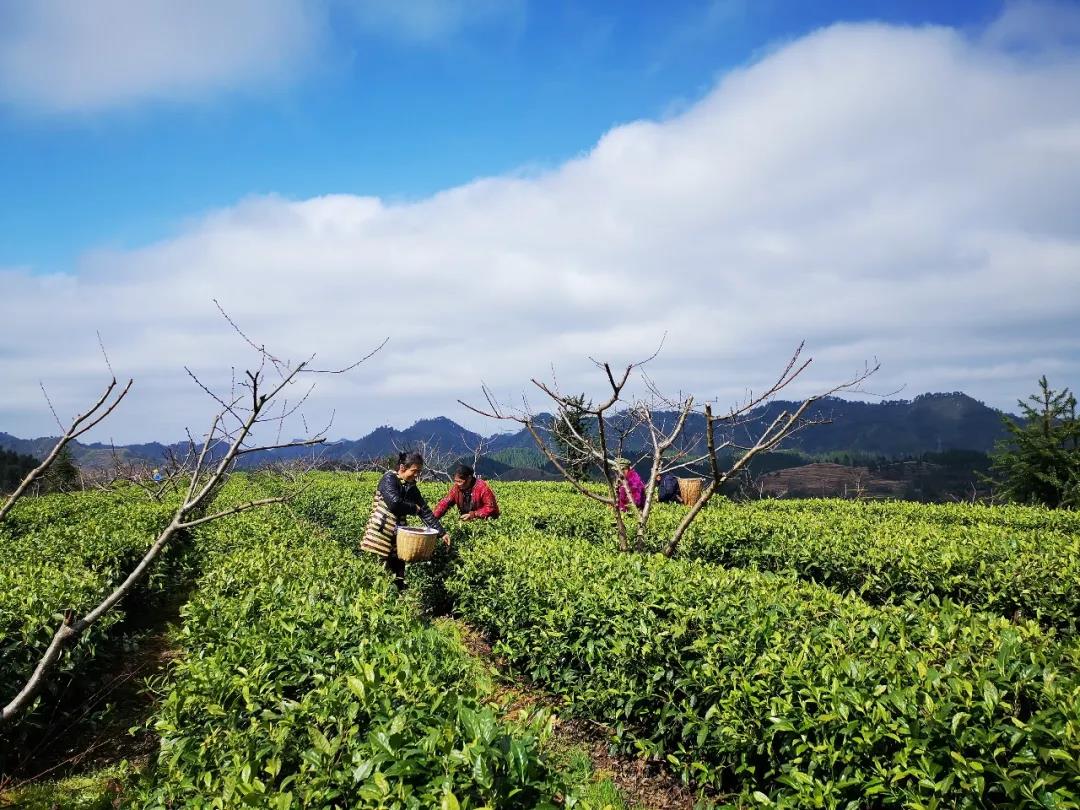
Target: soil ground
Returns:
[[644, 784]]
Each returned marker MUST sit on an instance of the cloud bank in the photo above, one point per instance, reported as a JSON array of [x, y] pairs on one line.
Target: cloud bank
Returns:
[[63, 57], [60, 58], [904, 193]]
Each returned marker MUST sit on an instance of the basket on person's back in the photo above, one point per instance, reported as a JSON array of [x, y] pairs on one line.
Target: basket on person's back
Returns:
[[689, 490]]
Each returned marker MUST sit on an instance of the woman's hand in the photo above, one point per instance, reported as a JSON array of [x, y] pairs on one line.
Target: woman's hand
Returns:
[[468, 516], [446, 539]]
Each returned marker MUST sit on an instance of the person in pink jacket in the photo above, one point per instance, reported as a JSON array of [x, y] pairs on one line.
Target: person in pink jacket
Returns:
[[633, 483]]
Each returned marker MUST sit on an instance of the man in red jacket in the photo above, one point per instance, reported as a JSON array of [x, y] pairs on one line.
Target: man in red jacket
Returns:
[[473, 497]]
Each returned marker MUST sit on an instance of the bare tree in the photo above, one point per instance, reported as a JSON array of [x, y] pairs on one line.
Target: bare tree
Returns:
[[105, 405], [252, 404], [617, 419], [737, 423], [477, 448], [438, 463], [155, 481], [293, 470], [623, 422]]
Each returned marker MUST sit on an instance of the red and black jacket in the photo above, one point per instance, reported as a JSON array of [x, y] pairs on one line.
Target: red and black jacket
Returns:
[[478, 500]]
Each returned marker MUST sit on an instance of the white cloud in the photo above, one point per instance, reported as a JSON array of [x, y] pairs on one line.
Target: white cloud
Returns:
[[59, 56], [904, 193], [64, 57]]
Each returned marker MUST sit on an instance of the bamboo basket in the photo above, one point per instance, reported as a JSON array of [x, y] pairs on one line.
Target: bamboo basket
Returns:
[[689, 490], [415, 544]]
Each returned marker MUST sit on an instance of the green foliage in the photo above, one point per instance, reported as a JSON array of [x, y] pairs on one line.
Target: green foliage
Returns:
[[571, 425], [1040, 461], [1008, 560], [757, 683], [751, 682], [520, 458], [60, 476], [13, 469], [66, 552], [306, 681], [309, 683], [97, 790]]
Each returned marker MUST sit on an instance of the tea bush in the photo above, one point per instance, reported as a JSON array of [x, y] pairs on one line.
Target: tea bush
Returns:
[[996, 559], [784, 690], [1009, 560], [307, 682], [66, 552]]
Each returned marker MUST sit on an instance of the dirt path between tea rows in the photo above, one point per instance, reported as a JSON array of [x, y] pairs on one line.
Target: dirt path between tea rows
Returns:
[[647, 785]]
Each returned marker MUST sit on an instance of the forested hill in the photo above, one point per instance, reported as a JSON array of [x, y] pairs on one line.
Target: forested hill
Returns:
[[930, 423]]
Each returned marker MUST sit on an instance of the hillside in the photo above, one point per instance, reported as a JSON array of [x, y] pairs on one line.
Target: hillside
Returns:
[[930, 423], [891, 429]]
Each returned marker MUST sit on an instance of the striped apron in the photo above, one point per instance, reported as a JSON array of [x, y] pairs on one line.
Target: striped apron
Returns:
[[380, 536]]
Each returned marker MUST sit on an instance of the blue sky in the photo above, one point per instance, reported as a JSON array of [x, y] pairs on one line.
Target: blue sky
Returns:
[[504, 186], [387, 111]]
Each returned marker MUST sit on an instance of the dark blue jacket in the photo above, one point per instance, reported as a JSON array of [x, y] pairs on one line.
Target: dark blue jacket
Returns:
[[668, 489]]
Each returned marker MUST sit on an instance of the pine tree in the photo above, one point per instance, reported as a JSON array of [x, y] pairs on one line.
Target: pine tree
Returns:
[[62, 475], [1040, 461], [572, 420], [13, 468]]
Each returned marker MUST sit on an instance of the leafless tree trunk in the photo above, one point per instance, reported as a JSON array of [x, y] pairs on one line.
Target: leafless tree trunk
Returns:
[[617, 421], [782, 426], [250, 403]]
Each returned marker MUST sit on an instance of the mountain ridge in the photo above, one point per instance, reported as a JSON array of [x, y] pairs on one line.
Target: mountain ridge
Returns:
[[931, 422]]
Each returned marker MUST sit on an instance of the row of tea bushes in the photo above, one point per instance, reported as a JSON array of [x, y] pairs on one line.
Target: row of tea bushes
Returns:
[[66, 552], [889, 553], [341, 503], [307, 682], [1010, 560], [780, 690]]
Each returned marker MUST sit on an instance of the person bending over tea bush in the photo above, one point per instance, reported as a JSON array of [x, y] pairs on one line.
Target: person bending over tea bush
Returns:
[[472, 496], [397, 497]]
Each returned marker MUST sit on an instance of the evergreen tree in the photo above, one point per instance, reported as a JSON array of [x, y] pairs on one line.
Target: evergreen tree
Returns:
[[572, 420], [62, 475], [1040, 461], [13, 468]]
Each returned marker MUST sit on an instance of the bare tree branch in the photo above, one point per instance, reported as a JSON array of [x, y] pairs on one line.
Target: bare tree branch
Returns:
[[79, 425], [206, 476], [230, 511], [782, 426]]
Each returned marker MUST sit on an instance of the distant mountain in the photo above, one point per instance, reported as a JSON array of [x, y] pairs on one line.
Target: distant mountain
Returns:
[[930, 423], [92, 454], [440, 432]]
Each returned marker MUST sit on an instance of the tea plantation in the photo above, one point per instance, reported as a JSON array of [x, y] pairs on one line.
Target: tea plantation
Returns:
[[829, 654]]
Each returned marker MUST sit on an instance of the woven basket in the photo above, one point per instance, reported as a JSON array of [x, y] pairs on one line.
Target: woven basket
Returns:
[[689, 490], [415, 544]]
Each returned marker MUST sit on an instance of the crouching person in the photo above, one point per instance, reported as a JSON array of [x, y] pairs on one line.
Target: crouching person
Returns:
[[472, 496], [667, 488], [397, 497]]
